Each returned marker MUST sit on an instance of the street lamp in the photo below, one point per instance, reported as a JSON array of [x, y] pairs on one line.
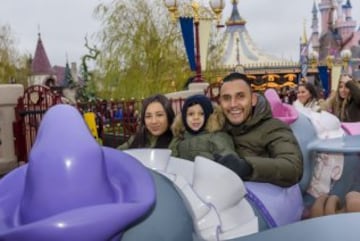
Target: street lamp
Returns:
[[216, 5], [313, 58], [172, 7], [345, 57], [330, 59]]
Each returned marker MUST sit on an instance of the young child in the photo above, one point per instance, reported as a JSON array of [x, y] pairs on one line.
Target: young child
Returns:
[[198, 131]]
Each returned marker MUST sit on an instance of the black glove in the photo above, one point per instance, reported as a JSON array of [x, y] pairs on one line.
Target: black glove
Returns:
[[238, 165]]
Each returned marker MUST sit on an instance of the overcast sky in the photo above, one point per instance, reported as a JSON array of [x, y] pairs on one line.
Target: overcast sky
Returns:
[[275, 25]]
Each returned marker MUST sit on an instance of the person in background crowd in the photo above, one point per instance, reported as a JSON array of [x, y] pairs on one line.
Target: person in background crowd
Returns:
[[198, 131], [154, 131], [307, 96], [118, 115], [267, 147], [345, 102]]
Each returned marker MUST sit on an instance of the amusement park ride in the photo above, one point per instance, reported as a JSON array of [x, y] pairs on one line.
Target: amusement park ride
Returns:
[[72, 188], [75, 189]]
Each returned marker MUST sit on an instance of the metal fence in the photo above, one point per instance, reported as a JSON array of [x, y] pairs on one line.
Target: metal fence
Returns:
[[116, 121]]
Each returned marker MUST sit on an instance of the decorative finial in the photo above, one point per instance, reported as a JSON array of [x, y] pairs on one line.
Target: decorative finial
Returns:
[[196, 7], [172, 8]]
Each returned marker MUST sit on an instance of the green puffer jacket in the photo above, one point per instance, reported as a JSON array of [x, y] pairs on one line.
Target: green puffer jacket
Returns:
[[269, 145], [212, 140]]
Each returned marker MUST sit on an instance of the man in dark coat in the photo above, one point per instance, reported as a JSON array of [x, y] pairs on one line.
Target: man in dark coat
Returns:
[[267, 148]]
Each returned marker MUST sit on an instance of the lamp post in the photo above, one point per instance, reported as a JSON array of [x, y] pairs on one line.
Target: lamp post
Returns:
[[329, 63], [313, 58], [196, 7], [216, 5], [345, 57]]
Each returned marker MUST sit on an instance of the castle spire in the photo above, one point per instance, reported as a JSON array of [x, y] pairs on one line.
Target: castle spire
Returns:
[[40, 64], [315, 20], [68, 79], [304, 39], [314, 37], [314, 10], [325, 9], [331, 17], [347, 10], [348, 4]]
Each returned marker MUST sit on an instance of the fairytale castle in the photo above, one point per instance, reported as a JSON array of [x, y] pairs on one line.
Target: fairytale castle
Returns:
[[333, 33], [334, 30]]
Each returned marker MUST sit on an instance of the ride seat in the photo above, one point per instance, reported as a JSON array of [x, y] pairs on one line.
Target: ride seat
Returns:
[[351, 128]]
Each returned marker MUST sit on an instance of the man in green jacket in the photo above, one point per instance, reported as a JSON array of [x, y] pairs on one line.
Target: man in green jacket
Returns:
[[267, 148]]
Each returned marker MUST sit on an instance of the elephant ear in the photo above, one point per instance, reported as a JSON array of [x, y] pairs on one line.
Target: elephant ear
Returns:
[[60, 157], [284, 112]]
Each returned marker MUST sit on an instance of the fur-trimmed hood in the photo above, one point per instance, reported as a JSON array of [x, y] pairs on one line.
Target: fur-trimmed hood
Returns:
[[215, 122]]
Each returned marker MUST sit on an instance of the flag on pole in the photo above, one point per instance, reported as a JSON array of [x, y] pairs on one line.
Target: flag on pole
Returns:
[[304, 61], [187, 30], [204, 32], [335, 76], [324, 78]]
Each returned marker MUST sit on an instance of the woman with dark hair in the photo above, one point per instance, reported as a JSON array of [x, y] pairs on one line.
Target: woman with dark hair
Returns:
[[154, 131], [307, 96]]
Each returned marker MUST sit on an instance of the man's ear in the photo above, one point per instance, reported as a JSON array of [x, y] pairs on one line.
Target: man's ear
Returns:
[[254, 99]]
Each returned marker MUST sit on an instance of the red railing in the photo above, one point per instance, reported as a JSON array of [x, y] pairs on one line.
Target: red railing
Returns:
[[116, 120]]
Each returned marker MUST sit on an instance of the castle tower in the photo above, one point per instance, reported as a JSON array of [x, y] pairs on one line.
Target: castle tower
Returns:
[[347, 10], [325, 7], [347, 26], [41, 71], [339, 11], [68, 77], [304, 43], [314, 38]]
